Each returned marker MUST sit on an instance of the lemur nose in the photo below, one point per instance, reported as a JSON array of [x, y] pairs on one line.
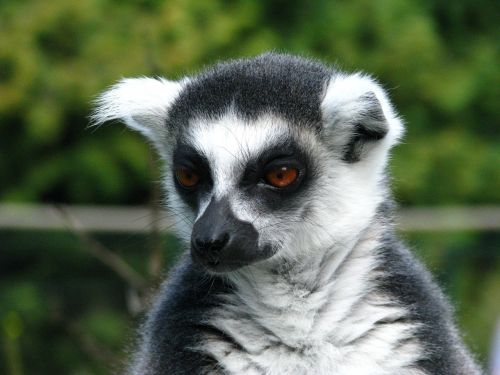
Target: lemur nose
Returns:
[[211, 245]]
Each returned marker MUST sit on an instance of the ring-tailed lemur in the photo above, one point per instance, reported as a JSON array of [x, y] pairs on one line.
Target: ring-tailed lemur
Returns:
[[276, 168]]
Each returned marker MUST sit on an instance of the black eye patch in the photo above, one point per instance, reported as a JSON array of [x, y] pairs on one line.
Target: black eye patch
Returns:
[[188, 157], [280, 154], [286, 154]]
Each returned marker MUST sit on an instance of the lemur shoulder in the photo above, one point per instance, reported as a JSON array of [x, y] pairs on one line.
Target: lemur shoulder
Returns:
[[276, 168]]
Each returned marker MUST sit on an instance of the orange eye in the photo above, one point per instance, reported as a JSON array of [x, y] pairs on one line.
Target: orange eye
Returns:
[[282, 176], [187, 177]]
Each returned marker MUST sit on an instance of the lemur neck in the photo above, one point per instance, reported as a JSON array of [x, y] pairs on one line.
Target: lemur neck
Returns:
[[303, 300], [315, 268]]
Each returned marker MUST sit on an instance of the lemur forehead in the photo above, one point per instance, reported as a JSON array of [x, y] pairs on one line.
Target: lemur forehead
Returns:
[[289, 86], [230, 140]]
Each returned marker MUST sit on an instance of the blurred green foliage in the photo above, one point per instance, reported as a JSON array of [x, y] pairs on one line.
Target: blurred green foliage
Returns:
[[61, 310], [438, 59]]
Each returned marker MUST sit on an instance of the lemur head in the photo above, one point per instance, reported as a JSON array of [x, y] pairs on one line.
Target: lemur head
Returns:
[[266, 158]]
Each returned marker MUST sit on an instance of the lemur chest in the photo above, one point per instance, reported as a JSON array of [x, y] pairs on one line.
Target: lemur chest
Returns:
[[341, 339]]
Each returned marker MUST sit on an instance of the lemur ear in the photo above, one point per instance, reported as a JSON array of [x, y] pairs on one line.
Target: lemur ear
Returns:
[[358, 116], [141, 103]]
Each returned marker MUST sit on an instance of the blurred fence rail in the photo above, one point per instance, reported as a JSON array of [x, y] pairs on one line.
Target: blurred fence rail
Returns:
[[141, 219]]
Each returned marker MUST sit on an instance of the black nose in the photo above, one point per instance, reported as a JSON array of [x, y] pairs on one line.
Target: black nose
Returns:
[[212, 245], [221, 242]]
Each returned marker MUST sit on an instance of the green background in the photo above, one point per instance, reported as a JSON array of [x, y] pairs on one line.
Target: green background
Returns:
[[61, 310]]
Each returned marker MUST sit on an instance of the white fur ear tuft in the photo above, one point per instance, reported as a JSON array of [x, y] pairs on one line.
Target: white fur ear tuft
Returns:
[[141, 103], [357, 113]]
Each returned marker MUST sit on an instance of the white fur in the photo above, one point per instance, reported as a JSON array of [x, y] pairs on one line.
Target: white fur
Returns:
[[227, 143], [342, 106], [291, 327], [230, 142], [141, 103]]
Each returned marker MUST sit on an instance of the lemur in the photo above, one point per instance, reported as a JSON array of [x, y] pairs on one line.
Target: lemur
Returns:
[[276, 169]]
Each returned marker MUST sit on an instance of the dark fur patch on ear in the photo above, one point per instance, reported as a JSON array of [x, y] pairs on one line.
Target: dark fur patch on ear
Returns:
[[371, 126]]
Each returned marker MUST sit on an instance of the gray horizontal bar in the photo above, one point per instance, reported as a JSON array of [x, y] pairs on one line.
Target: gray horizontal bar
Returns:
[[90, 218], [139, 219], [449, 218]]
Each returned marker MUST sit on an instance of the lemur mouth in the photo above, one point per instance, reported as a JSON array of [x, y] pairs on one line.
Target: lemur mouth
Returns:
[[222, 264], [213, 263], [218, 266]]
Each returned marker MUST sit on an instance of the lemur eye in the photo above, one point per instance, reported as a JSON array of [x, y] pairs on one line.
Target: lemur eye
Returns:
[[282, 176], [187, 177]]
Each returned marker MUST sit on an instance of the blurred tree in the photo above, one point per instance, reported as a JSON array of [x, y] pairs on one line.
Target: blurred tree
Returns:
[[439, 60]]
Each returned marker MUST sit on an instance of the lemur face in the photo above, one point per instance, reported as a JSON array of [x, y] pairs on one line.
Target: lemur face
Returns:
[[247, 184], [266, 158]]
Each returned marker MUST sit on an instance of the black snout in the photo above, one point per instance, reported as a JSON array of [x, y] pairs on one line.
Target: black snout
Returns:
[[221, 242], [209, 245]]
